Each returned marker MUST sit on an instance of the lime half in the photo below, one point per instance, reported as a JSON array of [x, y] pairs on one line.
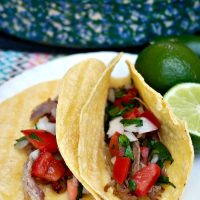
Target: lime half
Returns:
[[184, 100]]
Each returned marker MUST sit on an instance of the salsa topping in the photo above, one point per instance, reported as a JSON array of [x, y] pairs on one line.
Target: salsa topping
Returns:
[[138, 156], [45, 165]]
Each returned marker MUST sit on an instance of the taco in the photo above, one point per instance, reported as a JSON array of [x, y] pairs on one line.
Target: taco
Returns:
[[37, 166], [131, 145]]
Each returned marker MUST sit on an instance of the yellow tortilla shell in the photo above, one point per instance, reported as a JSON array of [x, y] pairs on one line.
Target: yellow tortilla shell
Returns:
[[75, 90], [14, 116], [93, 159]]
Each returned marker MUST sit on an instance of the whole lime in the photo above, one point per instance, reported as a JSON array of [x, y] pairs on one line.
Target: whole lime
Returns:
[[165, 64]]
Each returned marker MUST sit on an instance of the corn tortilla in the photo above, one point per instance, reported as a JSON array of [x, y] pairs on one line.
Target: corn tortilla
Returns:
[[15, 115], [93, 162], [75, 89]]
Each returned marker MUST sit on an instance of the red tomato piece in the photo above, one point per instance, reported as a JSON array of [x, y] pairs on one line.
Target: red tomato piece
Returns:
[[149, 115], [133, 92], [55, 171], [144, 154], [72, 189], [132, 114], [47, 167], [127, 97], [114, 145], [146, 178], [121, 169], [129, 115], [41, 139], [40, 165]]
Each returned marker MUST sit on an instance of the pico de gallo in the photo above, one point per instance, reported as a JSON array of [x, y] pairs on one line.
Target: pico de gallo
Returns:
[[44, 164], [137, 156]]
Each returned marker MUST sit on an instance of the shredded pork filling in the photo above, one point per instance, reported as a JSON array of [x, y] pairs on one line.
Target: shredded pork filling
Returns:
[[31, 189], [138, 136]]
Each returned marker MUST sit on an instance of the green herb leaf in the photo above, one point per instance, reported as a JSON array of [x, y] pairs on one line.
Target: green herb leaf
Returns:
[[127, 122], [119, 93], [132, 185], [80, 191], [128, 106], [165, 180], [129, 152], [34, 136], [162, 152], [21, 139], [124, 141], [114, 112]]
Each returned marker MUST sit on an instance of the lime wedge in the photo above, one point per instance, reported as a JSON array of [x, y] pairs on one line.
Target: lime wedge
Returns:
[[184, 100]]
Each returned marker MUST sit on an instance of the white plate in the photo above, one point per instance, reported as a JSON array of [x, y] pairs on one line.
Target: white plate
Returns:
[[55, 69]]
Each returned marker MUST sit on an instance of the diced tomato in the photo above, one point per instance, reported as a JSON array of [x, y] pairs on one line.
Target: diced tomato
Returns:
[[40, 165], [72, 189], [149, 115], [55, 171], [47, 167], [133, 92], [121, 169], [126, 98], [118, 102], [144, 154], [41, 139], [129, 115], [132, 114], [146, 178], [114, 145]]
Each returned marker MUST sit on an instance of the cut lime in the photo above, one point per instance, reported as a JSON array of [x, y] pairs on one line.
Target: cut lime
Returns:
[[184, 100]]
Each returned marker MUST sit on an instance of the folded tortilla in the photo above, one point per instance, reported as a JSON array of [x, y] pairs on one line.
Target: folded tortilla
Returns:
[[14, 117], [75, 89], [93, 159], [15, 113]]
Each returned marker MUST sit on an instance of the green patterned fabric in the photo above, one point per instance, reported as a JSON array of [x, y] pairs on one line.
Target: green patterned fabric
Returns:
[[103, 23]]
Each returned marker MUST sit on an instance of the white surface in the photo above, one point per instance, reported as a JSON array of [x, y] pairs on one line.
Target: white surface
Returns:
[[55, 69]]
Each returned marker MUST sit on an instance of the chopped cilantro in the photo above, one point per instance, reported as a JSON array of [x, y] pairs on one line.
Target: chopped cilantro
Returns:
[[164, 180], [80, 191], [162, 152], [124, 141], [114, 111], [127, 122], [21, 139], [34, 136], [119, 93], [129, 152], [132, 185]]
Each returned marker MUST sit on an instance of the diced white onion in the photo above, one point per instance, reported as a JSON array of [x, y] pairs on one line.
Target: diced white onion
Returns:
[[111, 95], [113, 159], [141, 109], [44, 124], [130, 136], [155, 158], [147, 126], [35, 154], [131, 128], [115, 126], [21, 144], [53, 112]]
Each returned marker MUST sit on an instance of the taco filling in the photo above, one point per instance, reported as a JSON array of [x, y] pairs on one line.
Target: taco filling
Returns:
[[45, 164], [138, 158]]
